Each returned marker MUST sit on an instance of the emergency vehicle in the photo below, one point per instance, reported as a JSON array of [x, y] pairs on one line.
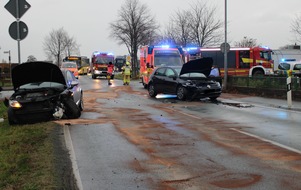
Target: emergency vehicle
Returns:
[[99, 63], [241, 61], [156, 56], [82, 63]]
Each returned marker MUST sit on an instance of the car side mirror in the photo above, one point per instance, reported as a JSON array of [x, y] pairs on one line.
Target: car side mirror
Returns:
[[74, 83], [174, 77]]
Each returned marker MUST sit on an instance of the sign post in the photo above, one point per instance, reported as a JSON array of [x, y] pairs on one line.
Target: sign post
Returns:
[[18, 30]]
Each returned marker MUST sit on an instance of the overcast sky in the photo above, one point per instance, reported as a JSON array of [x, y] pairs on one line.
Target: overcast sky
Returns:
[[267, 21]]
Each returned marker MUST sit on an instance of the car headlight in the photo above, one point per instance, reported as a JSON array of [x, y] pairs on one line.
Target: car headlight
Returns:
[[189, 83], [15, 104]]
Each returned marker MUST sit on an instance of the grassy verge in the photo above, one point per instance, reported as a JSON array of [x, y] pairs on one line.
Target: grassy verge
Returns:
[[28, 156]]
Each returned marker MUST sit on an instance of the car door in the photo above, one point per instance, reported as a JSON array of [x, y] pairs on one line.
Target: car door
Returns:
[[170, 82], [158, 79], [71, 80]]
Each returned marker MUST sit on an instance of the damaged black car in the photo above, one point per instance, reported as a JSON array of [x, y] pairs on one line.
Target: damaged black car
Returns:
[[190, 81], [43, 92]]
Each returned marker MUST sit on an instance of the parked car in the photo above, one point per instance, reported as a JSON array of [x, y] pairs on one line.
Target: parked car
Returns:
[[190, 81], [289, 68], [71, 66], [42, 92]]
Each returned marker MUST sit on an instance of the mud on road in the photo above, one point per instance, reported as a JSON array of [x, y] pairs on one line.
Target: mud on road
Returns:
[[186, 151]]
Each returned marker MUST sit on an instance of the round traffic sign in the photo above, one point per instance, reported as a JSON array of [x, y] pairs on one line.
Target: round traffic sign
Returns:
[[13, 30], [223, 48]]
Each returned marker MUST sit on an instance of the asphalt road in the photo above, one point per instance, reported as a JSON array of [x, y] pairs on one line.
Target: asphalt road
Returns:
[[126, 140]]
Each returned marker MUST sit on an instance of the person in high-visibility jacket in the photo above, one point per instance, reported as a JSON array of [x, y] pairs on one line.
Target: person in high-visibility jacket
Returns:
[[126, 71], [110, 73]]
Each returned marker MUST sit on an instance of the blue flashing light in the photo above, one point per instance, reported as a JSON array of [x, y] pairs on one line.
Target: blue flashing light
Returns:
[[99, 52], [283, 59], [265, 47]]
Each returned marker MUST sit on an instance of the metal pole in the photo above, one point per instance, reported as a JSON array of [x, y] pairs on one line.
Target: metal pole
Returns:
[[18, 31], [225, 51]]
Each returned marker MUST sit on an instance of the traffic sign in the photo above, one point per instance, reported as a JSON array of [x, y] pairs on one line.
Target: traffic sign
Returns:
[[21, 5], [13, 30], [223, 47]]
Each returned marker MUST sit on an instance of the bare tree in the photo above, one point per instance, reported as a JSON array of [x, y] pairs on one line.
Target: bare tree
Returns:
[[134, 27], [31, 58], [246, 42], [72, 48], [178, 31], [58, 44], [296, 27], [205, 28], [196, 26]]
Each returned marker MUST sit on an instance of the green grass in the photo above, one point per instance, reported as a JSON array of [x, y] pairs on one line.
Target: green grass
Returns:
[[27, 155]]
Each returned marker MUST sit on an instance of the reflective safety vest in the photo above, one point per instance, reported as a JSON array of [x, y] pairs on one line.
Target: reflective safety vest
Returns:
[[127, 70]]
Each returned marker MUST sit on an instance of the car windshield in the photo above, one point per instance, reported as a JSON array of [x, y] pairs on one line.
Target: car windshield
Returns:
[[105, 60], [37, 85], [193, 75], [297, 67], [167, 58], [69, 65]]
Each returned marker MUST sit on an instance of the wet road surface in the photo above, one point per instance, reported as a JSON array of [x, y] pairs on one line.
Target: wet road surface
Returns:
[[126, 140]]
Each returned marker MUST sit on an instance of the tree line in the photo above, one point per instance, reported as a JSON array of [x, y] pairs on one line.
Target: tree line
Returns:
[[136, 26]]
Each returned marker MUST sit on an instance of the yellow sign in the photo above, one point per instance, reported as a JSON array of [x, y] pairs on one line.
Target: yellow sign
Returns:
[[128, 58]]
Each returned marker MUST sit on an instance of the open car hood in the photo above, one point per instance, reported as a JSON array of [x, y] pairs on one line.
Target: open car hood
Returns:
[[36, 72], [202, 65]]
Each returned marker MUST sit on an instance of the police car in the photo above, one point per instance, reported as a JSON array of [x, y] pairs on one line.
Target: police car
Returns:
[[289, 68]]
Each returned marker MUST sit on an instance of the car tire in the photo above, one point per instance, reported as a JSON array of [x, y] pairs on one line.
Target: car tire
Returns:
[[213, 98], [72, 111], [151, 90], [258, 73], [181, 93], [93, 76], [81, 103]]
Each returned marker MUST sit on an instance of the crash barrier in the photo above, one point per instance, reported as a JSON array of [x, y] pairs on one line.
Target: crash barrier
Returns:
[[266, 86]]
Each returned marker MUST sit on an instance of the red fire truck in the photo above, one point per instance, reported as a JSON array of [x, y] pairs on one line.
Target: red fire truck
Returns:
[[99, 63], [241, 61], [156, 56]]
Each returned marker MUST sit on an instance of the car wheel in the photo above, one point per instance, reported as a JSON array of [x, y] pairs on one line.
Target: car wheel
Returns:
[[72, 111], [93, 76], [11, 117], [213, 98], [258, 73], [81, 103], [151, 90], [181, 93]]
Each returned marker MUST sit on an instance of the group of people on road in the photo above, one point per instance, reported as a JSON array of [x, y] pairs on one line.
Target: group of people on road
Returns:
[[126, 71]]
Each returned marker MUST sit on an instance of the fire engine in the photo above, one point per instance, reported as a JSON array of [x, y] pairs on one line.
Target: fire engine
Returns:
[[156, 56], [99, 63], [241, 61]]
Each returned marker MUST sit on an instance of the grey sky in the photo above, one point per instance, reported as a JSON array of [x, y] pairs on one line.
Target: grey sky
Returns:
[[87, 21]]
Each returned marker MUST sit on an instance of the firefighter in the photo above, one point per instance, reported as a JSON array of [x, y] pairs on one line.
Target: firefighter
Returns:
[[110, 73], [126, 71], [149, 69]]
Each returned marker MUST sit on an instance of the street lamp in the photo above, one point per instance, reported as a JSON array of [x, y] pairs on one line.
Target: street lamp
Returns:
[[9, 61]]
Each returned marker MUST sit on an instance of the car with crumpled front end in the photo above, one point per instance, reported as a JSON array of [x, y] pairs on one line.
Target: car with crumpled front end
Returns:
[[42, 92], [190, 81]]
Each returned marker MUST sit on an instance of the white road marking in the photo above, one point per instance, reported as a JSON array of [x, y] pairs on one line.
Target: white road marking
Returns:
[[269, 141], [69, 145], [251, 135]]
